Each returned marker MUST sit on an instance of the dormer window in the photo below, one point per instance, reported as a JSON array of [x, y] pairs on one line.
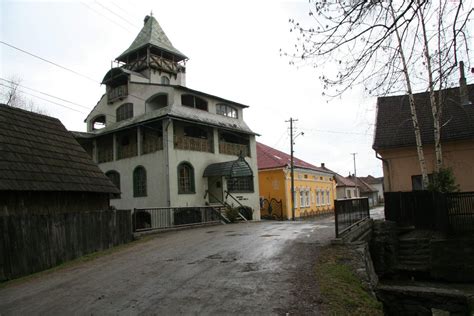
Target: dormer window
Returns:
[[98, 122], [226, 110], [165, 80], [125, 111], [194, 102]]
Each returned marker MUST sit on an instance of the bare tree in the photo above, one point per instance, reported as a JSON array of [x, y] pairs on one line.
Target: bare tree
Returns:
[[12, 95], [388, 47]]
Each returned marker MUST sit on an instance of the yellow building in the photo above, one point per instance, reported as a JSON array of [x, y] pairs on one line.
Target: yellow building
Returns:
[[315, 187]]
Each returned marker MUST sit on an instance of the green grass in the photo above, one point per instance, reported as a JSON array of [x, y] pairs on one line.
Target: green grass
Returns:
[[341, 290], [75, 262]]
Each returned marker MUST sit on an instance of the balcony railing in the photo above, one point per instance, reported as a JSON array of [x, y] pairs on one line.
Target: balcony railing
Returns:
[[193, 143], [105, 154], [127, 151], [117, 93], [233, 149], [152, 144]]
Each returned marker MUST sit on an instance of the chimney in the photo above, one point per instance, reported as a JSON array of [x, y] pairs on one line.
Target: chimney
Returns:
[[463, 93], [322, 165]]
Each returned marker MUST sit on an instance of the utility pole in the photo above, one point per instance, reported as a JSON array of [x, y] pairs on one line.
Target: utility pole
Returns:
[[292, 169], [355, 173]]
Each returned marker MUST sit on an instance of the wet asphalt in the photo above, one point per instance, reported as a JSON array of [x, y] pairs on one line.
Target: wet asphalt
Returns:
[[255, 268]]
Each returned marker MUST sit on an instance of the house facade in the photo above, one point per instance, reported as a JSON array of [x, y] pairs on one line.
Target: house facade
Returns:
[[164, 144], [395, 145], [315, 188], [376, 184], [346, 187]]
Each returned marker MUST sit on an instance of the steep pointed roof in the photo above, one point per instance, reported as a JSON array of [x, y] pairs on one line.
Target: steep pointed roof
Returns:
[[152, 34]]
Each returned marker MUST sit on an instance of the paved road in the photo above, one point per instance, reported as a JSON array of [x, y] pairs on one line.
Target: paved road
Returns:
[[256, 268], [377, 212]]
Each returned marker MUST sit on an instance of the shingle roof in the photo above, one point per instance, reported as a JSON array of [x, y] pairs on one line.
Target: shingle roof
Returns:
[[269, 158], [37, 153], [152, 34], [344, 182], [364, 187], [371, 180], [394, 127]]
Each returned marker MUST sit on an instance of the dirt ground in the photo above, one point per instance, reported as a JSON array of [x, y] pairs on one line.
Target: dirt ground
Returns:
[[260, 268]]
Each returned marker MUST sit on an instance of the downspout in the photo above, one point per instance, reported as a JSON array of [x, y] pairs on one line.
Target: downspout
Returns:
[[387, 164], [167, 166]]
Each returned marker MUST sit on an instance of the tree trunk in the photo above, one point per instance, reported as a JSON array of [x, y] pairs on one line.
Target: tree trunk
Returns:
[[414, 117], [434, 105]]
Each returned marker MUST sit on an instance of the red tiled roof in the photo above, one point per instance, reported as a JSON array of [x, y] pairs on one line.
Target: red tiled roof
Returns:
[[268, 158]]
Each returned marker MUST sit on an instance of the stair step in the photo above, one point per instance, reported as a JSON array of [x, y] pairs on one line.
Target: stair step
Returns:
[[412, 267]]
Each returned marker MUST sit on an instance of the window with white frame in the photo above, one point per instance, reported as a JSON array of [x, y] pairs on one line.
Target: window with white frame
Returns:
[[302, 204], [308, 202], [328, 198], [317, 198], [312, 197], [322, 198]]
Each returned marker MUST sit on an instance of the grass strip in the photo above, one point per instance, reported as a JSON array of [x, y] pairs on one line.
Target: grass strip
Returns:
[[342, 291]]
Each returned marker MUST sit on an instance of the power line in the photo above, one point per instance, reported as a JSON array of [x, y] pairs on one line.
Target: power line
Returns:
[[116, 14], [48, 61], [336, 132], [97, 12], [35, 96], [46, 94]]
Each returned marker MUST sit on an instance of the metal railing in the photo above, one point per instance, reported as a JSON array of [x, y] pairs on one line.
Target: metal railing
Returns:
[[349, 213], [169, 217]]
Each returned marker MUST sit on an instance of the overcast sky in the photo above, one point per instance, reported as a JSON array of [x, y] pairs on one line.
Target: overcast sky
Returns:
[[233, 48]]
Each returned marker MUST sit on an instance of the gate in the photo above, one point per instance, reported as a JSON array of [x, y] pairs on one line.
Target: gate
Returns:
[[271, 209]]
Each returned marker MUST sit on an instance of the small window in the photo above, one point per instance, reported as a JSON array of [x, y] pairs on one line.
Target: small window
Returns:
[[185, 178], [114, 176], [226, 110], [139, 181], [417, 182], [125, 111], [194, 102], [240, 184], [165, 80], [328, 198]]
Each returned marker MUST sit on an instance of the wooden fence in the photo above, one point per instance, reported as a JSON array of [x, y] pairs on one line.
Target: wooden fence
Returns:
[[34, 242], [450, 212]]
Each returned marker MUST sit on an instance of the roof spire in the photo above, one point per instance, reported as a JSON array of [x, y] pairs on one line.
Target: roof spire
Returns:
[[152, 35]]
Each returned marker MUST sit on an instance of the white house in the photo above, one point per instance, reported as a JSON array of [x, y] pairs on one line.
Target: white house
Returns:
[[166, 145]]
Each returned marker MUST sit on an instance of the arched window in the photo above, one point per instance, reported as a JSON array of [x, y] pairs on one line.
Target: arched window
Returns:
[[226, 110], [194, 102], [114, 176], [98, 122], [165, 80], [139, 181], [123, 112], [185, 178], [157, 101]]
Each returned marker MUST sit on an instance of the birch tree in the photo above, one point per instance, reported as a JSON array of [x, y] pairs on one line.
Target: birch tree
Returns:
[[387, 47]]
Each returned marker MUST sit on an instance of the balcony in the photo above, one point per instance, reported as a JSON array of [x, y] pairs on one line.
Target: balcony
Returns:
[[233, 149], [151, 144], [117, 93], [193, 143]]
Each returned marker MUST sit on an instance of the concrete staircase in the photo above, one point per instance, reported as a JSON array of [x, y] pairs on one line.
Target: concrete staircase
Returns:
[[414, 254]]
